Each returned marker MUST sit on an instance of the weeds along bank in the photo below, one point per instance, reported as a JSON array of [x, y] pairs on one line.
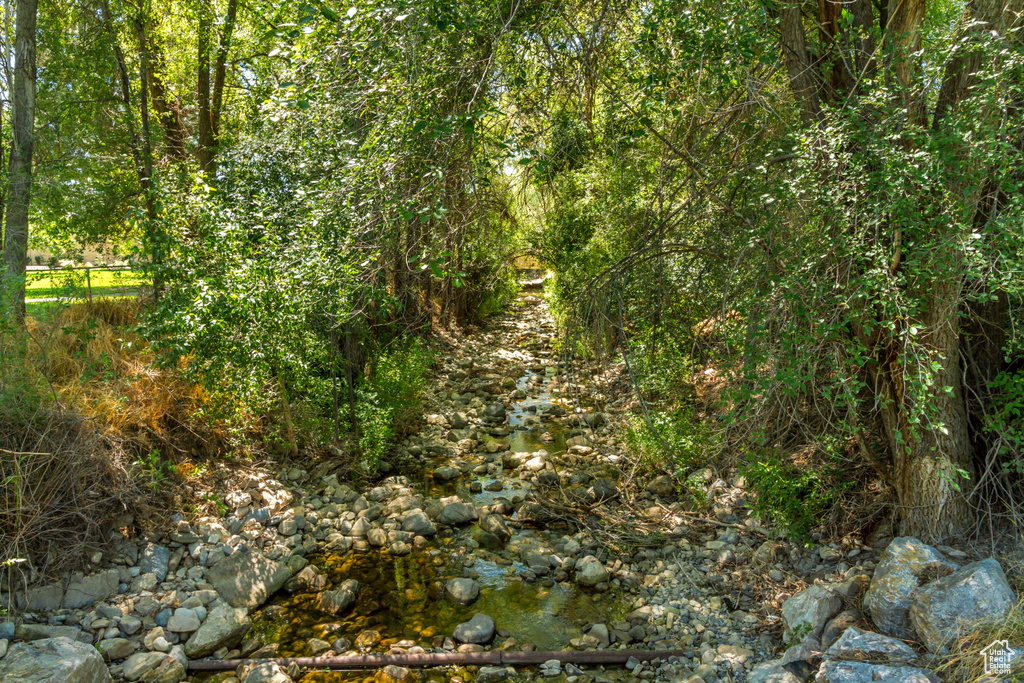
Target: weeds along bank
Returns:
[[98, 432]]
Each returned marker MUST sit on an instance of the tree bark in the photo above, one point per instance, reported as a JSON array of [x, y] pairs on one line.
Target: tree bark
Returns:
[[23, 110], [904, 38], [153, 235], [205, 123], [167, 115], [220, 72], [932, 465], [793, 42]]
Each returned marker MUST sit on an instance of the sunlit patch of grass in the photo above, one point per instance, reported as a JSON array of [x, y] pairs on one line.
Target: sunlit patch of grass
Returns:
[[965, 664]]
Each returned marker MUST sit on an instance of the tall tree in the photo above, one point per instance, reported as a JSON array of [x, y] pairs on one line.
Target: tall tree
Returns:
[[23, 110]]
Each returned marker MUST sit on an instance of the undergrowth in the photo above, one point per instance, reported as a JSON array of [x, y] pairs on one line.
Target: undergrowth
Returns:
[[389, 400], [795, 498]]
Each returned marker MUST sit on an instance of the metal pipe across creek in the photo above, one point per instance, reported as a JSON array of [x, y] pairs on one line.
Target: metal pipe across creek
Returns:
[[492, 658]]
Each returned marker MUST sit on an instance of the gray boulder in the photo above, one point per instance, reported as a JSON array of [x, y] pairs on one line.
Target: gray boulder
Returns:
[[114, 649], [495, 524], [772, 672], [43, 631], [141, 663], [458, 420], [89, 589], [478, 630], [807, 612], [224, 625], [495, 411], [590, 572], [835, 671], [340, 599], [494, 674], [53, 660], [905, 564], [154, 560], [950, 606], [447, 473], [863, 646], [270, 672], [457, 513], [463, 591], [247, 579], [417, 522], [46, 598]]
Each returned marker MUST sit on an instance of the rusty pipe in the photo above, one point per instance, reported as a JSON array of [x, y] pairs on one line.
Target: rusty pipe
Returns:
[[493, 658]]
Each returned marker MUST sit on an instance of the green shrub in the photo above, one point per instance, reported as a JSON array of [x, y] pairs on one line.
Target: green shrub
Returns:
[[796, 499], [389, 399], [680, 444]]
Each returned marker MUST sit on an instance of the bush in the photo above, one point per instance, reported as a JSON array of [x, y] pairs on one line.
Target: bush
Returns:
[[389, 399], [795, 498], [684, 442]]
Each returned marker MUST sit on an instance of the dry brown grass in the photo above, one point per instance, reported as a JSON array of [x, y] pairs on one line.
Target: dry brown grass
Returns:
[[100, 433], [964, 664]]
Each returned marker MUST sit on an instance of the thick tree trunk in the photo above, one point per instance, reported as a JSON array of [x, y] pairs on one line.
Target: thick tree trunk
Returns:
[[153, 235], [220, 72], [904, 38], [167, 115], [932, 463], [793, 42], [205, 123], [23, 110]]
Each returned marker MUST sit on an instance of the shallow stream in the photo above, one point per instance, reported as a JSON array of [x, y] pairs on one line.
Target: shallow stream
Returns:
[[403, 598]]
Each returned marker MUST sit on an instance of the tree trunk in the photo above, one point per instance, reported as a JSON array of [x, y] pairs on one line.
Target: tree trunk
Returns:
[[220, 73], [153, 236], [206, 141], [933, 470], [167, 115], [793, 42], [23, 110]]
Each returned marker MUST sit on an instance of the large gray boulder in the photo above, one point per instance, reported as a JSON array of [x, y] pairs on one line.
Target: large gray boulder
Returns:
[[495, 524], [835, 671], [906, 564], [950, 606], [478, 630], [46, 598], [141, 663], [463, 591], [417, 522], [339, 599], [807, 612], [53, 660], [457, 513], [590, 571], [495, 411], [224, 625], [269, 672], [155, 560], [857, 645], [247, 579], [772, 672]]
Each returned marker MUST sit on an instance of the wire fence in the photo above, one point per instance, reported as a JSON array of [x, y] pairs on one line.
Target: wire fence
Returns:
[[78, 282]]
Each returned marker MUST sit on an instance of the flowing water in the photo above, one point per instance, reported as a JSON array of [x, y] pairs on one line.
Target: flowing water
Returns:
[[403, 599]]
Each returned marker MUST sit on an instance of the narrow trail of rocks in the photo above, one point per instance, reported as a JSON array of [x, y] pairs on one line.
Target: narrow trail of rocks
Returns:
[[509, 524]]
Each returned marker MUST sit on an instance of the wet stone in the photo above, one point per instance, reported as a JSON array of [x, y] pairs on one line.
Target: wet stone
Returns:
[[463, 591], [478, 630]]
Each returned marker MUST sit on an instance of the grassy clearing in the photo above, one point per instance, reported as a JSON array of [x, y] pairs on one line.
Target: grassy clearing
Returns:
[[72, 283]]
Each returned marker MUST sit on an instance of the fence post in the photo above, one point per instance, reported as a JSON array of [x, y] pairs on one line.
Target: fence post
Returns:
[[88, 284]]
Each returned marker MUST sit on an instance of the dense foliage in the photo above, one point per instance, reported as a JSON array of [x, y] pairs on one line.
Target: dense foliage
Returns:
[[815, 205]]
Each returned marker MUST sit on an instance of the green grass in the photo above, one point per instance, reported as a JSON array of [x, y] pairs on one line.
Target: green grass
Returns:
[[72, 283]]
